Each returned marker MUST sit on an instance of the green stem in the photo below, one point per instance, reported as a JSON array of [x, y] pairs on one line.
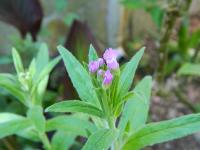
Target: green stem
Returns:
[[45, 141], [172, 14], [171, 17]]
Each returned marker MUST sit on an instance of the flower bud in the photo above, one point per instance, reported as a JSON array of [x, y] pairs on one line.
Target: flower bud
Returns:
[[108, 77], [93, 66], [101, 62], [110, 54], [110, 57], [112, 64]]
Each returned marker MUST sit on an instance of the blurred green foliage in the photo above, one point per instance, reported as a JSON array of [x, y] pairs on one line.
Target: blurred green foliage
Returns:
[[153, 7]]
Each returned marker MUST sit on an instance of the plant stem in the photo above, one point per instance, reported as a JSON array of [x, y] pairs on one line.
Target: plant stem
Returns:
[[172, 15], [109, 115], [45, 141], [173, 12]]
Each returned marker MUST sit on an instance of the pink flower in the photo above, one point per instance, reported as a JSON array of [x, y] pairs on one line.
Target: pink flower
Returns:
[[112, 64], [93, 66], [101, 62], [108, 77], [110, 56]]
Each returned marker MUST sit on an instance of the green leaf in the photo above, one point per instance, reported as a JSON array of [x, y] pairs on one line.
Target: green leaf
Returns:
[[183, 38], [157, 15], [62, 140], [71, 124], [12, 124], [32, 68], [141, 4], [100, 140], [194, 39], [42, 58], [48, 68], [35, 114], [128, 73], [41, 89], [163, 131], [17, 61], [9, 83], [45, 73], [27, 133], [136, 109], [79, 77], [75, 106], [189, 69], [92, 54], [6, 117]]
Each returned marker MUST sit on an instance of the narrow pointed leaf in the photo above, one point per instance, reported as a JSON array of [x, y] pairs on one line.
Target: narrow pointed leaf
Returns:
[[62, 140], [6, 117], [189, 69], [9, 83], [76, 106], [27, 133], [100, 140], [71, 124], [12, 124], [17, 61], [163, 131], [48, 68], [137, 105], [32, 68], [79, 77], [45, 72], [92, 53], [128, 72], [42, 58]]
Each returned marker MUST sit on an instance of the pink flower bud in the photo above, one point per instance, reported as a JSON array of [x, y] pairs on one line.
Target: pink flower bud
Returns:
[[101, 62], [108, 77], [93, 66], [110, 54], [110, 57], [112, 64]]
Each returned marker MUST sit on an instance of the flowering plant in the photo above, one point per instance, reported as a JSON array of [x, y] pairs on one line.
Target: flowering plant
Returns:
[[108, 114], [118, 113]]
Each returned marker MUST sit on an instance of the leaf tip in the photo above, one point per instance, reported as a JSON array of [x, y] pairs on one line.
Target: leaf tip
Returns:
[[47, 109], [143, 49], [60, 48]]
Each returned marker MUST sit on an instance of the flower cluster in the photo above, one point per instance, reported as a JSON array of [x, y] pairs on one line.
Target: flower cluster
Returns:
[[105, 66]]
